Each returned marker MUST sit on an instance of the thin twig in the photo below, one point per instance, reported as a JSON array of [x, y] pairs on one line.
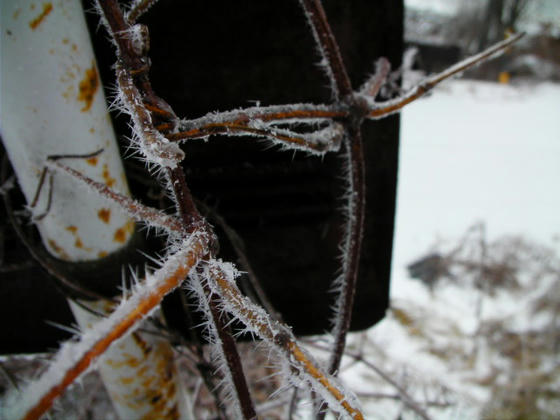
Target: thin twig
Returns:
[[259, 295], [280, 337], [311, 142], [325, 40], [404, 396], [232, 357], [352, 247], [373, 85], [383, 109], [341, 88], [300, 113], [134, 208], [138, 8]]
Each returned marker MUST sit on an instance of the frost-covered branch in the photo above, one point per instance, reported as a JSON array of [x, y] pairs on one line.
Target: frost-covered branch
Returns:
[[134, 208], [293, 113], [402, 394], [345, 284], [375, 82], [76, 357], [317, 142], [328, 47], [138, 8], [383, 109], [298, 362], [151, 143], [214, 327], [341, 87]]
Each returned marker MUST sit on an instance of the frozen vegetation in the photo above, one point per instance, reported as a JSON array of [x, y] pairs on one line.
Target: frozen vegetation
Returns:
[[477, 179]]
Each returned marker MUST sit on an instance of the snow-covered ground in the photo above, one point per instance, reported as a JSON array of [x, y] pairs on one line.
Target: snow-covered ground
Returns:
[[478, 151], [471, 152]]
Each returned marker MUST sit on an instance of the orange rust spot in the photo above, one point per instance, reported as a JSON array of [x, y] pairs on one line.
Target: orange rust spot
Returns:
[[58, 249], [102, 254], [142, 371], [92, 161], [120, 236], [78, 243], [104, 214], [132, 361], [68, 93], [74, 47], [72, 229], [32, 6], [87, 87], [65, 41], [147, 382], [51, 51], [47, 8], [140, 342], [126, 380], [92, 130], [107, 176], [16, 13]]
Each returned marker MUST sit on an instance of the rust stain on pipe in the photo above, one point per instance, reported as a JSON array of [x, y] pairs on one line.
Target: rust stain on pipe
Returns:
[[47, 8], [72, 229], [58, 250], [104, 214], [122, 233], [88, 87], [109, 181], [92, 161]]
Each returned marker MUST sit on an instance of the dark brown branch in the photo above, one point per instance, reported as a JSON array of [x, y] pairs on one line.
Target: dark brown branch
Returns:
[[138, 90], [192, 220], [342, 89], [138, 9], [374, 84], [353, 246], [231, 355], [342, 85], [119, 29], [270, 114], [259, 296], [303, 141], [326, 41], [185, 204]]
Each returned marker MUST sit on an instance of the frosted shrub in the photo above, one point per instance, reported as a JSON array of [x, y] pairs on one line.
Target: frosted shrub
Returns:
[[190, 261]]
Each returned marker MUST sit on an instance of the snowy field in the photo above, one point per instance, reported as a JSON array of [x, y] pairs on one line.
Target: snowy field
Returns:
[[472, 152], [477, 151]]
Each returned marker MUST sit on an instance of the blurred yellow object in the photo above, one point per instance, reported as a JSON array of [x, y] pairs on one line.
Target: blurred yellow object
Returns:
[[504, 77]]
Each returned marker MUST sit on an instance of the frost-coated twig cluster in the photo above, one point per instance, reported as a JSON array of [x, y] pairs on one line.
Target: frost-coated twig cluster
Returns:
[[157, 133]]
